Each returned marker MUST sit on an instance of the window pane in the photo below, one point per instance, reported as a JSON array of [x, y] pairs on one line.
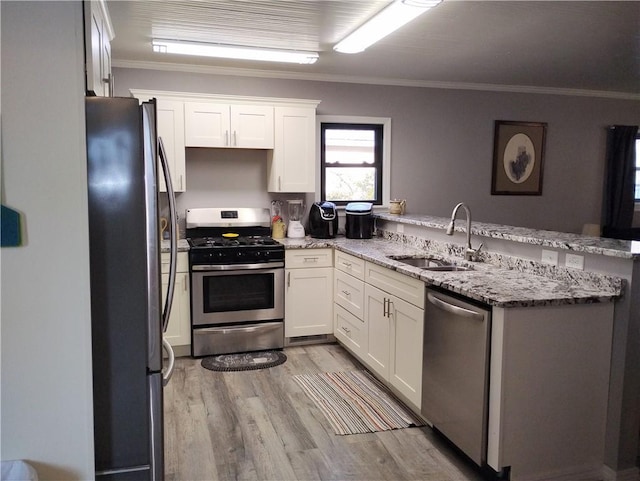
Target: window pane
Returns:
[[349, 146], [349, 184]]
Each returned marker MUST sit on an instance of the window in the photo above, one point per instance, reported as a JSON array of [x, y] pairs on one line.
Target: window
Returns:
[[354, 163]]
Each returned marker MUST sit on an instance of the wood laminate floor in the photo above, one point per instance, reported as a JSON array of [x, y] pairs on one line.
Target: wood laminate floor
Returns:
[[259, 426]]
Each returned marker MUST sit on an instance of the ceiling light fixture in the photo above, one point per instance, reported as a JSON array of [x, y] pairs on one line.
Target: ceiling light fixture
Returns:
[[394, 16], [235, 52]]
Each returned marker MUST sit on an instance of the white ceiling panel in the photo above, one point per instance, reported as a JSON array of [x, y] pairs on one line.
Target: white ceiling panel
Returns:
[[583, 45]]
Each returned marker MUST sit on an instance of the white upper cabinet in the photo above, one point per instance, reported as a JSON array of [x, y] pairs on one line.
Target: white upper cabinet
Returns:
[[292, 164], [170, 120], [210, 124], [170, 124], [99, 34]]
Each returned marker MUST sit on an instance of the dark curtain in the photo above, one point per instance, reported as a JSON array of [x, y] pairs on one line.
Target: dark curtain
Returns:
[[619, 181]]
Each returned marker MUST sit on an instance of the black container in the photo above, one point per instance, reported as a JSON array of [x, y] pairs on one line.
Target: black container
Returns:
[[359, 224], [323, 220]]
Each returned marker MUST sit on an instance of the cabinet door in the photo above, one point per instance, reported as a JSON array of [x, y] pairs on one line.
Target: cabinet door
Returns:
[[207, 124], [105, 68], [178, 330], [251, 126], [170, 118], [378, 343], [98, 49], [308, 302], [407, 331], [292, 163]]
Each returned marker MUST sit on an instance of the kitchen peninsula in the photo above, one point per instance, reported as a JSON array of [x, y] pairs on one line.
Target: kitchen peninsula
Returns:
[[555, 337]]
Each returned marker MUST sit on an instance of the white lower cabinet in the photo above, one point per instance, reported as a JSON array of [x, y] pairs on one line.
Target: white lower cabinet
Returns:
[[308, 297], [178, 331], [379, 317], [394, 341]]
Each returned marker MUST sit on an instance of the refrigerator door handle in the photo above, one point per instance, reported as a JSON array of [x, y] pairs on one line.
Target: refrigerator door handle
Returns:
[[168, 371], [173, 238]]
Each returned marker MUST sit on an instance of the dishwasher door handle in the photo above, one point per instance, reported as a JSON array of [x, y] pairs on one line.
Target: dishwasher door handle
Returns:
[[459, 311]]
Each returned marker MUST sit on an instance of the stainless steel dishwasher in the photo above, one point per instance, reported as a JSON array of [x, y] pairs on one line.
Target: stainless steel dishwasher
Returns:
[[455, 371]]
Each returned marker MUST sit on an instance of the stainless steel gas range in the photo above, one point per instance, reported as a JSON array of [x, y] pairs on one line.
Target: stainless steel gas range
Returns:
[[237, 281]]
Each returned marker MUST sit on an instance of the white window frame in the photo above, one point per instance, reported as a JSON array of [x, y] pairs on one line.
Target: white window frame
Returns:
[[637, 201], [386, 151]]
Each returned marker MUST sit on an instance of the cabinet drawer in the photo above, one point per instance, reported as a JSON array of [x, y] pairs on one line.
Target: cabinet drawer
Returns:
[[183, 262], [308, 258], [404, 287], [348, 292], [349, 330], [349, 264]]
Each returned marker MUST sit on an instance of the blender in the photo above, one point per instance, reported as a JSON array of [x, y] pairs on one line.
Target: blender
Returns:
[[296, 209]]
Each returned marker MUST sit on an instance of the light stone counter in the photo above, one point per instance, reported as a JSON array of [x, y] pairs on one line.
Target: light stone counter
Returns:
[[489, 283], [560, 240], [183, 246]]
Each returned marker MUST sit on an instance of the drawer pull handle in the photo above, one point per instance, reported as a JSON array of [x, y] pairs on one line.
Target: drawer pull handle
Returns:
[[346, 293], [311, 259], [347, 264], [347, 330]]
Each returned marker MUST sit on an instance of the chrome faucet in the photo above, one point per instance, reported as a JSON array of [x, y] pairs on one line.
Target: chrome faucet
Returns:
[[469, 253]]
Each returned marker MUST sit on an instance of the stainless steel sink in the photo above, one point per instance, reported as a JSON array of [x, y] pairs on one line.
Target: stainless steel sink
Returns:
[[430, 264], [449, 268]]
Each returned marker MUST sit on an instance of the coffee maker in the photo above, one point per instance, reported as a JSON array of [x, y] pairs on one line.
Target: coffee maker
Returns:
[[323, 220]]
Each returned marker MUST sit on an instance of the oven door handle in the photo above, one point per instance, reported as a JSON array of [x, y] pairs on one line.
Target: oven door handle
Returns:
[[237, 267]]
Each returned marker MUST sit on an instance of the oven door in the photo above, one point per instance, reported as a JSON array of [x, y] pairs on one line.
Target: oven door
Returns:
[[236, 294]]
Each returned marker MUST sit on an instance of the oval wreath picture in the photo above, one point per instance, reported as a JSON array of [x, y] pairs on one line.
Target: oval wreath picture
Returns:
[[518, 158]]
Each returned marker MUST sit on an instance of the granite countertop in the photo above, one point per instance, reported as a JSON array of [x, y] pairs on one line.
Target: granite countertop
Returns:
[[183, 245], [499, 287], [561, 240]]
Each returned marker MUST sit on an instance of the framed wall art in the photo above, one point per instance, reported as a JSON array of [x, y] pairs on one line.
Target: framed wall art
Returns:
[[518, 158]]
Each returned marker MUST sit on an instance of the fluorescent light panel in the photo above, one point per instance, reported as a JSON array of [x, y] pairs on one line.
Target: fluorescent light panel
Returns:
[[394, 16], [235, 52]]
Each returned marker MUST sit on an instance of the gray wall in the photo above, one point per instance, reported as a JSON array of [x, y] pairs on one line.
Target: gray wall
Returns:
[[47, 403], [442, 141]]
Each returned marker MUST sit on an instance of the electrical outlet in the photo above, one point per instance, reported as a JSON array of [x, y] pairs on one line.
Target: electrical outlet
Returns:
[[549, 257], [400, 228], [574, 261]]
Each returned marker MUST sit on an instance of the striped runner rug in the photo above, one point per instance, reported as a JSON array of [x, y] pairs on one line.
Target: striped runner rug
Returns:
[[354, 402]]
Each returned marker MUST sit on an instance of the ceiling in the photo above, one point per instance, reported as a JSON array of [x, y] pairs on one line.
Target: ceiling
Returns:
[[574, 46]]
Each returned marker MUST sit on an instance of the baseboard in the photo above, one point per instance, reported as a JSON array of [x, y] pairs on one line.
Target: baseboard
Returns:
[[306, 340], [631, 474], [585, 474]]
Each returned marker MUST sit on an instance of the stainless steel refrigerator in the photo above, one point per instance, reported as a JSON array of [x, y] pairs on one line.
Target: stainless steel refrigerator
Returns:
[[127, 315]]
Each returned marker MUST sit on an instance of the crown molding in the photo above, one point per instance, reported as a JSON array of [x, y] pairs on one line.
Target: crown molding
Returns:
[[286, 75]]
